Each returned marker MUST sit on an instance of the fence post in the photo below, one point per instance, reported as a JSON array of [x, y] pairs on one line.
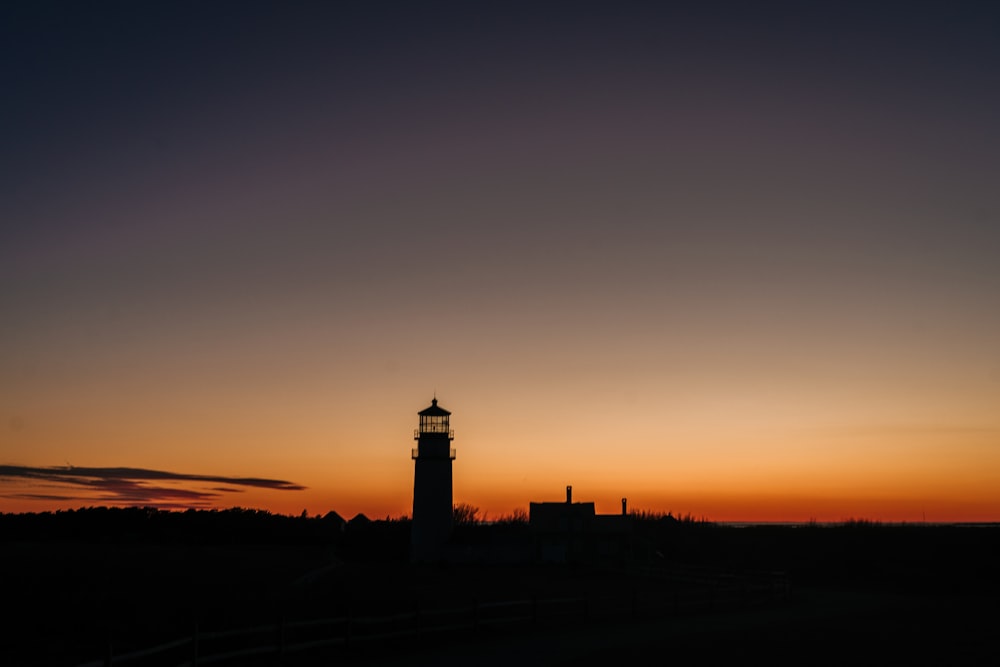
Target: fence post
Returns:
[[534, 610], [109, 657], [281, 635], [350, 623], [635, 603], [475, 615]]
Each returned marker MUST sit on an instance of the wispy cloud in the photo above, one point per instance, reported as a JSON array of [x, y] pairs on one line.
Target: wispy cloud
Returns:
[[127, 486]]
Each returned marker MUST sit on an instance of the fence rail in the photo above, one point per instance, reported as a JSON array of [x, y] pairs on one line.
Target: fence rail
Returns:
[[285, 637]]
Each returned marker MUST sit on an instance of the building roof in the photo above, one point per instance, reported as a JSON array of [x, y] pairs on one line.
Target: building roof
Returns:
[[545, 517], [434, 410]]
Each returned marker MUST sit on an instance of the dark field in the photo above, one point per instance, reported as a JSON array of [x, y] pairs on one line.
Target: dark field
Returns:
[[860, 593], [818, 627]]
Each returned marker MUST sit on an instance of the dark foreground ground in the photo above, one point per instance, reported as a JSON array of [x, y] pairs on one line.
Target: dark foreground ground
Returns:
[[860, 594], [818, 627]]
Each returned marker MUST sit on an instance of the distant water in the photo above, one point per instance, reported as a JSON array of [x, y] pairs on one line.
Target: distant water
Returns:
[[806, 524]]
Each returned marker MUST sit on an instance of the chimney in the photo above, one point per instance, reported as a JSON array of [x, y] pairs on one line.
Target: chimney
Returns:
[[624, 506], [569, 494]]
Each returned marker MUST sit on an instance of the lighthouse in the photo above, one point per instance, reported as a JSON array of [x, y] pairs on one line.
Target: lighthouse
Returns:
[[432, 501]]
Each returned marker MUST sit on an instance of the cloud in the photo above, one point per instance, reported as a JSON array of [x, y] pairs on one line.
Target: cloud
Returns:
[[129, 486]]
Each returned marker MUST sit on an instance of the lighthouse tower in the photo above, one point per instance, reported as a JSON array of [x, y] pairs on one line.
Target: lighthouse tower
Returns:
[[432, 503]]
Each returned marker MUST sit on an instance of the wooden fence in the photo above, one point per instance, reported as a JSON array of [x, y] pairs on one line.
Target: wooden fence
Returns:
[[267, 643]]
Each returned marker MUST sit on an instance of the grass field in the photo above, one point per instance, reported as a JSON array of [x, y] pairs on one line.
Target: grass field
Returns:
[[872, 595], [818, 627]]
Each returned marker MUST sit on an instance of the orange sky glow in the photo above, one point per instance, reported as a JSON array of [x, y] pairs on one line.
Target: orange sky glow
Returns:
[[739, 265]]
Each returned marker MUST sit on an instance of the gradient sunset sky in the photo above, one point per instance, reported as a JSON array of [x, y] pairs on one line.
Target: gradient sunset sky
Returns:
[[734, 260]]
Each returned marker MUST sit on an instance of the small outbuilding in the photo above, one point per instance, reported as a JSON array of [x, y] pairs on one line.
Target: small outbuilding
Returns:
[[569, 532]]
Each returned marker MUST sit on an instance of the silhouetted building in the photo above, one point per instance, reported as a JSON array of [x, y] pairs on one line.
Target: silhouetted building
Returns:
[[432, 499], [574, 533]]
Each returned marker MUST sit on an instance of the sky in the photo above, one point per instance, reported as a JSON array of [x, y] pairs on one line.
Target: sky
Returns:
[[739, 261]]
